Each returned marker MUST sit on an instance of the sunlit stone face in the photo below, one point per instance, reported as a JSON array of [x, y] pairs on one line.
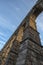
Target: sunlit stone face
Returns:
[[32, 22]]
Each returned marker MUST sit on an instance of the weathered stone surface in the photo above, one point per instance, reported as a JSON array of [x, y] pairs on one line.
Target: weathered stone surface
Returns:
[[24, 46]]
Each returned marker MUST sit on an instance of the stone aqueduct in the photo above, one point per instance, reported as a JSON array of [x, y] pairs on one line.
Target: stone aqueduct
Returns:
[[12, 46]]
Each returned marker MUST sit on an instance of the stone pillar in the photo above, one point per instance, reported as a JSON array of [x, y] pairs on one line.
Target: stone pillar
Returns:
[[22, 53], [12, 56]]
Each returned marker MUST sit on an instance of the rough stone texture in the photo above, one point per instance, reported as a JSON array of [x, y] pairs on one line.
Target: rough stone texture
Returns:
[[0, 57], [22, 53], [24, 46]]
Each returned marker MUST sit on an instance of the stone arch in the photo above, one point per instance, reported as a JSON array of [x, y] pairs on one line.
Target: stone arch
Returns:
[[35, 12], [37, 9]]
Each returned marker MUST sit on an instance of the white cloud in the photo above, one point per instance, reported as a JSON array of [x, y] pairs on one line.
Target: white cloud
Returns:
[[39, 21], [17, 9], [2, 42], [2, 34], [40, 28], [3, 38], [42, 42], [6, 24], [13, 7], [40, 25]]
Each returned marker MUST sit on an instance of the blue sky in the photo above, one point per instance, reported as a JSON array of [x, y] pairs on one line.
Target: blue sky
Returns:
[[12, 12]]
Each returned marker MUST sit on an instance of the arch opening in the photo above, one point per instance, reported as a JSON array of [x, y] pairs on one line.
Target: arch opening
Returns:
[[39, 21]]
